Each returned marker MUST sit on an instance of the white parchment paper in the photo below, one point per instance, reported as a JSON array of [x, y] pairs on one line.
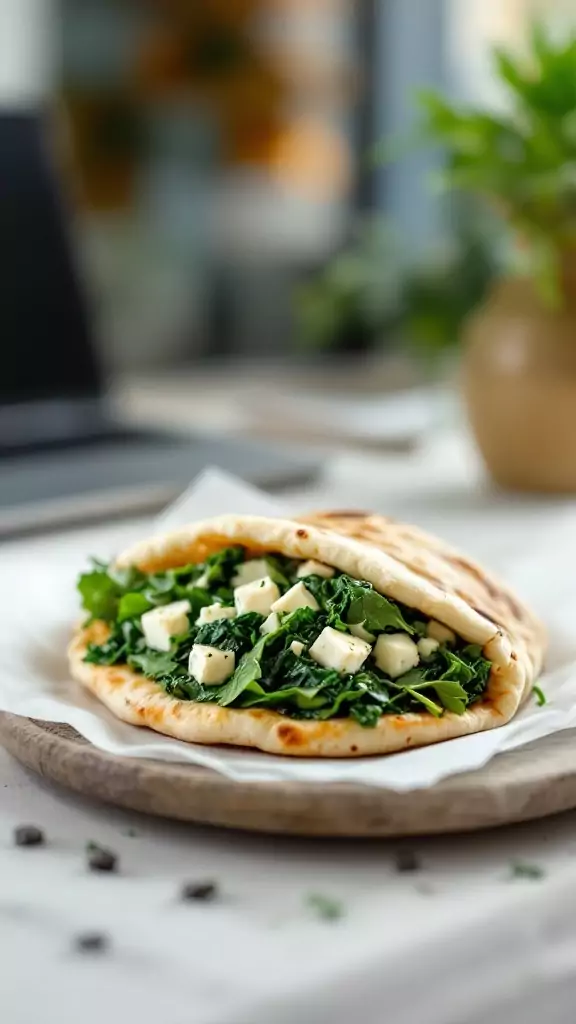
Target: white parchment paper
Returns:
[[43, 605]]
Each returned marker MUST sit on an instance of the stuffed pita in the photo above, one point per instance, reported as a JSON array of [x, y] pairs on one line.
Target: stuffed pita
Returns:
[[338, 635]]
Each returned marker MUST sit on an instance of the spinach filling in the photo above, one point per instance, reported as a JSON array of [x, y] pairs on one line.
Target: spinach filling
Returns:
[[268, 673]]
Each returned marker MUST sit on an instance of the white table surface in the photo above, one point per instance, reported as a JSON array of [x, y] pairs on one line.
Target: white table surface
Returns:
[[459, 941]]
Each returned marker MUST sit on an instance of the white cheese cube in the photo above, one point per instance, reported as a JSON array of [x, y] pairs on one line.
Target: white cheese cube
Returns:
[[202, 581], [312, 568], [341, 651], [160, 624], [296, 647], [213, 612], [427, 646], [440, 633], [247, 572], [271, 624], [395, 654], [358, 630], [297, 597], [258, 596], [209, 665]]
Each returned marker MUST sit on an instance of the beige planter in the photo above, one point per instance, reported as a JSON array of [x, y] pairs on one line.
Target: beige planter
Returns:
[[519, 385]]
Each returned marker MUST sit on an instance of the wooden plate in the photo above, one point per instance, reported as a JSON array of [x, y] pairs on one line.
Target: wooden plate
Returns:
[[531, 782]]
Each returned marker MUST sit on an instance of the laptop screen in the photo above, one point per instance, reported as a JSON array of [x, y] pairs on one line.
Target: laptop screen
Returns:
[[47, 350]]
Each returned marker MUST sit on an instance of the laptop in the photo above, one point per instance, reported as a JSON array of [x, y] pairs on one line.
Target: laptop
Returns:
[[63, 458]]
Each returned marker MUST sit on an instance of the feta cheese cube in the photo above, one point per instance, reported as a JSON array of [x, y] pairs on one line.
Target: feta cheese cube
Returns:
[[427, 646], [313, 568], [297, 597], [213, 612], [209, 665], [257, 596], [247, 572], [358, 630], [160, 624], [395, 654], [202, 581], [345, 653], [440, 633], [296, 647], [271, 624]]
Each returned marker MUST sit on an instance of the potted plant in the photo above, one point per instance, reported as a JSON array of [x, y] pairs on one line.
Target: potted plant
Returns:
[[372, 291], [519, 357]]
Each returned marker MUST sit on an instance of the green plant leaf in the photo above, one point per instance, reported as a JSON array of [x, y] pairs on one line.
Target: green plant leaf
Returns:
[[509, 71], [519, 161], [376, 612], [154, 664], [521, 869], [325, 907], [540, 696], [239, 635], [249, 671], [100, 594], [451, 695], [132, 605], [433, 708]]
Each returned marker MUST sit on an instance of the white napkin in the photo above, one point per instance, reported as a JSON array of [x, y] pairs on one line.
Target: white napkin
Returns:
[[38, 605]]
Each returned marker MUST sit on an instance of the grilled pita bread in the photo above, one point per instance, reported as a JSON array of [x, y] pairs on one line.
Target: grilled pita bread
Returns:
[[401, 562]]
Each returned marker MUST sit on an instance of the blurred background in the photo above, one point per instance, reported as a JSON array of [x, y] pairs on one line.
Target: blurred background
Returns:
[[219, 155], [235, 220]]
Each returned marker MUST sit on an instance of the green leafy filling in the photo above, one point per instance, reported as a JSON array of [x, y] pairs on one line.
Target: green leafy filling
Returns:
[[268, 673]]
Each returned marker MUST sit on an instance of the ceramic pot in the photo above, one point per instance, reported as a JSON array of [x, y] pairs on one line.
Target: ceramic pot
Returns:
[[519, 386]]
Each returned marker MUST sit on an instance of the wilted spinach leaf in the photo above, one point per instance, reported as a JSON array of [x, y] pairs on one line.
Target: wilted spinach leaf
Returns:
[[238, 635], [281, 570], [377, 613], [248, 671], [303, 698], [367, 715], [430, 705], [221, 567], [154, 663], [451, 695], [539, 695], [348, 602]]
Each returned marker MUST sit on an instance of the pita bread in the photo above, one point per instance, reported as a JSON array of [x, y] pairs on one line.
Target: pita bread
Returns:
[[402, 563]]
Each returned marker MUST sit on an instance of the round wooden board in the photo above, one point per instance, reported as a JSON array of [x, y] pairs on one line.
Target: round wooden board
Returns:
[[534, 781]]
